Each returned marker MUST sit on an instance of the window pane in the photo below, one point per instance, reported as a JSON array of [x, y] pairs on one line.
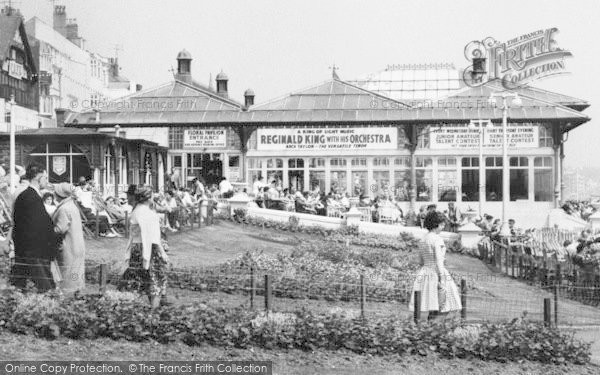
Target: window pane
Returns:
[[447, 186], [470, 185], [401, 183], [402, 162], [296, 179], [275, 175], [519, 184], [177, 161], [254, 164], [493, 185], [81, 167], [317, 163], [317, 180], [543, 185], [382, 182], [338, 181], [292, 163], [359, 183], [58, 148], [234, 161], [424, 185]]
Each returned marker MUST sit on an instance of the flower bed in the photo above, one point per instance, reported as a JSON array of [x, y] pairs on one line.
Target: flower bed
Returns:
[[119, 316], [313, 270], [402, 242]]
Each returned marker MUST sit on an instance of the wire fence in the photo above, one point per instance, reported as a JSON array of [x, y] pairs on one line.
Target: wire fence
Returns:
[[553, 303], [573, 282]]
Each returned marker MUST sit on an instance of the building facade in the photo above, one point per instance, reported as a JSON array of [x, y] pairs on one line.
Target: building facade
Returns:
[[18, 73], [340, 136], [71, 76]]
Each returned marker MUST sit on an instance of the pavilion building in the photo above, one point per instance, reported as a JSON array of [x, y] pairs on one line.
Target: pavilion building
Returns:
[[364, 137]]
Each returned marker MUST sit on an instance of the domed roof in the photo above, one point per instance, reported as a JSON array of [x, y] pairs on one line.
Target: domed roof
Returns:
[[249, 92], [184, 54], [222, 76]]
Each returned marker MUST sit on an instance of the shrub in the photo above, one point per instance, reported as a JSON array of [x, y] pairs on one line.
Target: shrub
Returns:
[[93, 316]]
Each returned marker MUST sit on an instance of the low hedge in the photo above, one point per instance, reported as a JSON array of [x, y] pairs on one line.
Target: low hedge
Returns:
[[122, 316]]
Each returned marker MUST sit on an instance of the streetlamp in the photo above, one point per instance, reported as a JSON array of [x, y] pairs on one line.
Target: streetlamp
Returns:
[[12, 163], [478, 124], [505, 171]]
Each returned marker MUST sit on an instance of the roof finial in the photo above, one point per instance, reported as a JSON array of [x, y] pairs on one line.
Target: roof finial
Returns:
[[210, 83], [333, 73]]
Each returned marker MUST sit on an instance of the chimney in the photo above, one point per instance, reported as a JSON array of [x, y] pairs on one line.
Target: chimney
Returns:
[[60, 20], [222, 84], [249, 98], [138, 87], [72, 29], [478, 69], [61, 116], [184, 66]]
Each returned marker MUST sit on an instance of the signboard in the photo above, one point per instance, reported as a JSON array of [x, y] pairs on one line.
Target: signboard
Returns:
[[16, 70], [59, 165], [461, 137], [204, 138], [347, 138]]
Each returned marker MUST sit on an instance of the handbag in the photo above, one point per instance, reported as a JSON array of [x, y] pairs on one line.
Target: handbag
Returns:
[[55, 271]]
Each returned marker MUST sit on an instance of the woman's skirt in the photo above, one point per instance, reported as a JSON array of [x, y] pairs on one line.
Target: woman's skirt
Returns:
[[152, 281], [426, 282]]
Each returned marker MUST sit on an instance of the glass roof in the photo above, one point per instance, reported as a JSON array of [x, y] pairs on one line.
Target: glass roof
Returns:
[[413, 82]]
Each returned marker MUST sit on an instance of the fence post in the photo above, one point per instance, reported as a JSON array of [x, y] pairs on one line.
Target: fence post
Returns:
[[97, 224], [362, 296], [417, 307], [558, 274], [268, 296], [547, 312], [463, 299], [126, 224], [506, 256], [252, 287], [103, 276], [520, 267], [209, 212], [555, 305], [512, 265]]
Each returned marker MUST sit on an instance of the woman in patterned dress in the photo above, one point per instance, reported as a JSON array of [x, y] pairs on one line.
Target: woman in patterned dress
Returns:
[[146, 256], [433, 279]]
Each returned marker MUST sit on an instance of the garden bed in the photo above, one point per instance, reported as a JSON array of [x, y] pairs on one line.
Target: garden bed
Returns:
[[122, 316]]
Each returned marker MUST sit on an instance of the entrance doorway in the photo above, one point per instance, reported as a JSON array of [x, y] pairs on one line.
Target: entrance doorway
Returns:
[[205, 165]]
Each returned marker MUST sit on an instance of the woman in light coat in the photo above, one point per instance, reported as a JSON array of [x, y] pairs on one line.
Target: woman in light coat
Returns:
[[71, 255]]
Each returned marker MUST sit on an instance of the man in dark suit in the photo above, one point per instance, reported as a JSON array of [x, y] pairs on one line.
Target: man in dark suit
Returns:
[[33, 234]]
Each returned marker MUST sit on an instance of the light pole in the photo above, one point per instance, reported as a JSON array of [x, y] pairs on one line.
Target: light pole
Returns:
[[12, 163], [481, 186], [505, 171]]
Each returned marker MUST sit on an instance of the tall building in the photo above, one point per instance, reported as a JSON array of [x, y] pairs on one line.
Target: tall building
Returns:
[[70, 75]]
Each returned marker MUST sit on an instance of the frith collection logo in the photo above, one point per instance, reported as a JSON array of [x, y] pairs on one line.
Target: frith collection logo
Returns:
[[516, 62]]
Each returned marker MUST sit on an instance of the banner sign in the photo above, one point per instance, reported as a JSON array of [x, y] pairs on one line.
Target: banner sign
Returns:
[[461, 137], [204, 138], [327, 139], [59, 165]]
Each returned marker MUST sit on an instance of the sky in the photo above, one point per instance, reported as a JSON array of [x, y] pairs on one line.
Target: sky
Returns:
[[277, 47]]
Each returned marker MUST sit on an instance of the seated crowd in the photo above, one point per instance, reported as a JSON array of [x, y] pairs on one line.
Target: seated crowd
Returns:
[[335, 203]]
